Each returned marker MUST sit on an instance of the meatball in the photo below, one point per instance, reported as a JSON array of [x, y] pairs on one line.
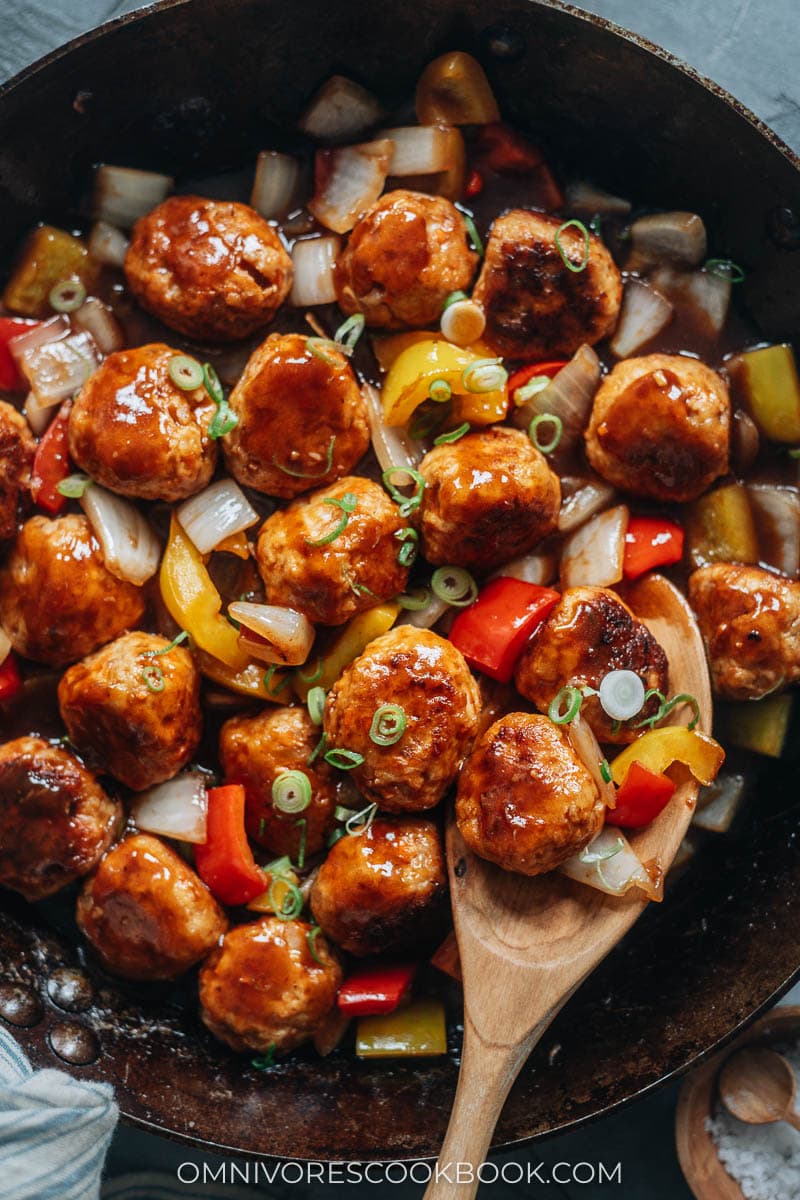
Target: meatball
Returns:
[[331, 578], [525, 800], [660, 427], [254, 751], [425, 677], [403, 259], [146, 913], [589, 633], [132, 709], [212, 269], [750, 621], [488, 497], [263, 989], [55, 819], [136, 432], [536, 307], [16, 457], [57, 600], [302, 418], [382, 890]]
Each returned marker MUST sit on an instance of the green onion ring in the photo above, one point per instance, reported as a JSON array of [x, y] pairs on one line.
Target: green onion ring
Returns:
[[723, 268], [349, 332], [311, 938], [572, 698], [153, 677], [454, 435], [291, 792], [176, 641], [318, 749], [278, 866], [361, 821], [347, 504], [579, 225], [475, 239], [267, 681], [415, 600], [532, 388], [309, 474], [335, 837], [343, 760], [484, 375], [454, 298], [185, 372], [558, 430], [212, 384], [315, 700], [315, 675], [292, 902], [265, 1061], [73, 486], [340, 813], [407, 504], [388, 725], [454, 585], [224, 419], [440, 391], [660, 711], [605, 771], [319, 346], [67, 296], [301, 848]]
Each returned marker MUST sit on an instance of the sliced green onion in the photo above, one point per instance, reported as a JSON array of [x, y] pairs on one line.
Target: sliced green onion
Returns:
[[723, 268], [176, 641], [153, 677], [454, 585], [565, 706], [74, 486], [224, 419], [319, 347], [408, 551], [311, 938], [349, 332], [454, 298], [340, 813], [315, 674], [359, 589], [407, 504], [347, 505], [301, 847], [212, 384], [67, 296], [360, 822], [267, 681], [475, 239], [388, 725], [185, 372], [316, 704], [547, 446], [454, 435], [309, 474], [485, 375], [335, 837], [605, 771], [343, 760], [579, 225], [685, 698], [279, 867], [291, 904], [291, 792], [415, 600], [440, 391], [523, 394], [318, 749], [265, 1061]]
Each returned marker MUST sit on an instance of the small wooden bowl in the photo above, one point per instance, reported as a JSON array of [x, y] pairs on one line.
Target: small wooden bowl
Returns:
[[697, 1151]]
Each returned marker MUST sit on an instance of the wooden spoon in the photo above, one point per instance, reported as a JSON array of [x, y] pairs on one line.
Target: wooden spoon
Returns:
[[758, 1086], [526, 944]]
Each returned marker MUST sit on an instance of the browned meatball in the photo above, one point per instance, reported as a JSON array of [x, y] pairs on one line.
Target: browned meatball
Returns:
[[16, 456], [55, 819], [660, 427], [750, 621], [302, 418], [428, 679], [535, 306], [146, 913], [57, 600], [489, 497], [212, 269], [403, 259], [263, 989], [254, 751], [136, 432], [131, 714], [331, 581], [589, 633], [525, 800], [382, 890]]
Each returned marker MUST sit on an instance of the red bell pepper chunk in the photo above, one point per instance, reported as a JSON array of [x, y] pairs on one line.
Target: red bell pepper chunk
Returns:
[[474, 184], [506, 151], [225, 861], [11, 380], [51, 463], [10, 678], [642, 795], [651, 542], [533, 371], [375, 988], [492, 632]]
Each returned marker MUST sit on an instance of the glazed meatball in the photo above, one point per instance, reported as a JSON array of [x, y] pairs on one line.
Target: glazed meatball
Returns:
[[427, 678], [16, 457], [212, 269], [57, 600], [332, 580], [403, 259], [382, 890], [302, 418], [750, 621], [525, 800], [660, 427], [136, 432], [55, 819], [264, 990], [589, 633], [535, 306], [254, 751], [146, 913], [489, 497], [132, 709]]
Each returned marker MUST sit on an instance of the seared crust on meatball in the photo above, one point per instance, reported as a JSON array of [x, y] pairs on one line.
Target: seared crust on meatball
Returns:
[[403, 259], [140, 734], [382, 890], [750, 622], [57, 600], [136, 432], [302, 418], [264, 989], [589, 633], [660, 427], [332, 581], [489, 497], [212, 269], [535, 306], [254, 751], [17, 448], [429, 680], [55, 819], [525, 800], [146, 913]]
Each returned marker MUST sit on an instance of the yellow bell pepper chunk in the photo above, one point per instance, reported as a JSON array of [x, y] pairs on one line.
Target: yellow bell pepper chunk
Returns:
[[478, 408], [416, 1031], [235, 543], [352, 641], [720, 527], [660, 748], [247, 681], [388, 347], [414, 370], [49, 256], [771, 385]]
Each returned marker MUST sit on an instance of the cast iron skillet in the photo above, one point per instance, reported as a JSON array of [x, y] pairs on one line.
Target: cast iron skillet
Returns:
[[195, 86]]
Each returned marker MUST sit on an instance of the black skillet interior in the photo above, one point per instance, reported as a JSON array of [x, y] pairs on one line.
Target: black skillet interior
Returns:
[[198, 86]]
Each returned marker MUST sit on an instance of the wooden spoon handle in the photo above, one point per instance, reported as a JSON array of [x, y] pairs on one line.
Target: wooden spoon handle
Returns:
[[793, 1118]]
